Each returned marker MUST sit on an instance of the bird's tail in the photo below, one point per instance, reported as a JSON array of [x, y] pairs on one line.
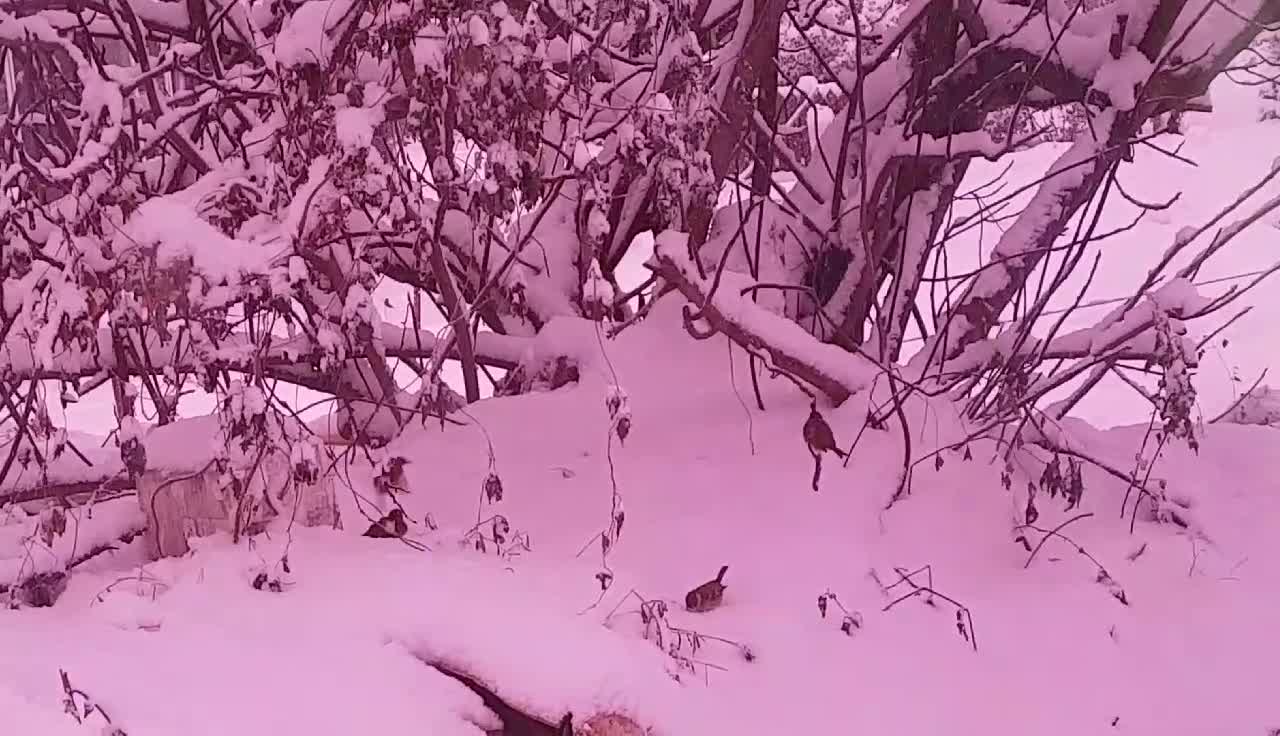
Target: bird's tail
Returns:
[[839, 453], [720, 577]]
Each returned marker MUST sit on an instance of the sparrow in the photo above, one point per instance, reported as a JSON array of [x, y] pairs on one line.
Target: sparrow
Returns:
[[391, 526], [818, 434], [707, 597]]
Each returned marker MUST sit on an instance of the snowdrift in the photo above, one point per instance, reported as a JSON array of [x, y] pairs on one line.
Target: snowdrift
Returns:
[[352, 640]]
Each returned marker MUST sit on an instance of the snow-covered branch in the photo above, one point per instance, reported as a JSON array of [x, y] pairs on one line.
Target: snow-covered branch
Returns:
[[728, 309]]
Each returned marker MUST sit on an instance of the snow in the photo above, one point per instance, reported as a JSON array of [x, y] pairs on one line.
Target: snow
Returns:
[[851, 371], [977, 143], [1120, 79], [353, 641], [1080, 51], [187, 445], [179, 233], [330, 657], [305, 36], [429, 48], [20, 715], [1231, 151], [1018, 242], [98, 99], [23, 553], [584, 153], [188, 646], [1260, 405], [66, 468], [509, 349], [479, 31], [355, 126], [1204, 26]]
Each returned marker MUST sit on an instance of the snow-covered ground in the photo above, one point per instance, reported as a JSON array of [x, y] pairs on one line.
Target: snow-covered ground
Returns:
[[189, 647]]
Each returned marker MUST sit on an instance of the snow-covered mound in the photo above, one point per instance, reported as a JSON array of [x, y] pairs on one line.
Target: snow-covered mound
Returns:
[[705, 479]]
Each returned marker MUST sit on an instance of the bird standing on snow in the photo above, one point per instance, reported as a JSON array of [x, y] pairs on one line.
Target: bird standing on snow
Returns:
[[818, 434], [707, 596], [393, 525]]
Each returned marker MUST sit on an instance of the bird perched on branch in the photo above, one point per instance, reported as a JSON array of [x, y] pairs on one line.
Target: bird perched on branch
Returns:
[[708, 596], [391, 526], [818, 434]]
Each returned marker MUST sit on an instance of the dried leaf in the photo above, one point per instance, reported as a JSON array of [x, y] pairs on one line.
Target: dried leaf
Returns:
[[606, 579], [851, 624], [493, 488], [1112, 587], [822, 606]]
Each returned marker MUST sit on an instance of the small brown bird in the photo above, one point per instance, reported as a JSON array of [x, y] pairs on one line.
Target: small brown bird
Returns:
[[391, 526], [707, 597], [818, 434]]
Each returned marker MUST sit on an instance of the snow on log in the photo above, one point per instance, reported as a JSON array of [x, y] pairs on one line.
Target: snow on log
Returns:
[[38, 549], [832, 370], [492, 349], [87, 469], [235, 352], [185, 493]]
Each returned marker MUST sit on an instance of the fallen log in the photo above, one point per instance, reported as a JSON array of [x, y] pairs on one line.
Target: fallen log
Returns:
[[518, 723], [514, 722]]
